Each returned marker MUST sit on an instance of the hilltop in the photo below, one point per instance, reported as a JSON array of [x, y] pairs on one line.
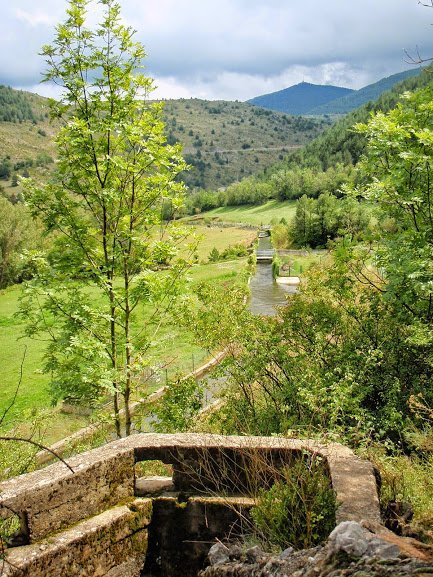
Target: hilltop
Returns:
[[301, 98], [226, 141], [319, 100], [369, 93]]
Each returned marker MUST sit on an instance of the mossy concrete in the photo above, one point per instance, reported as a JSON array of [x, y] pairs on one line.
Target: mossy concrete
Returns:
[[94, 503], [112, 544]]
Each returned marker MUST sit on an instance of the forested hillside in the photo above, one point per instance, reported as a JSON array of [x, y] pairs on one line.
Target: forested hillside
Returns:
[[340, 143], [299, 99], [18, 106], [226, 141], [359, 97]]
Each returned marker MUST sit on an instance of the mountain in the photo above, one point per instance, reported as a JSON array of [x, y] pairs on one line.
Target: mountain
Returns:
[[224, 141], [340, 143], [301, 98], [369, 93]]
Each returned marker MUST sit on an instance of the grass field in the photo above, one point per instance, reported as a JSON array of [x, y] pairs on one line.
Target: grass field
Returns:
[[297, 264], [171, 345], [221, 238], [272, 211]]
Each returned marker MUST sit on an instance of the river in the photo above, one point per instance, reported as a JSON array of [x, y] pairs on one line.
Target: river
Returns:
[[266, 294]]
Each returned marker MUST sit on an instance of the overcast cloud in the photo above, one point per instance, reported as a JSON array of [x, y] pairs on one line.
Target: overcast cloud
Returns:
[[237, 49]]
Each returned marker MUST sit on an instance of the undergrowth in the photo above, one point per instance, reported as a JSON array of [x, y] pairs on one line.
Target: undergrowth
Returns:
[[299, 509]]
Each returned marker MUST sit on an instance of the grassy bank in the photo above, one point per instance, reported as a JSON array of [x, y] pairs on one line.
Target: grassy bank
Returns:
[[256, 215]]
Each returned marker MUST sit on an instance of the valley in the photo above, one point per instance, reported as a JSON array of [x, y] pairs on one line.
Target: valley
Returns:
[[122, 271]]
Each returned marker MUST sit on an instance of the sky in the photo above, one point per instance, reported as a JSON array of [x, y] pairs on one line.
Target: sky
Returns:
[[237, 49]]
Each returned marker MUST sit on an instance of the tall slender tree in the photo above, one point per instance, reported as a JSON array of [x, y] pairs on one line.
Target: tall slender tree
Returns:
[[115, 171]]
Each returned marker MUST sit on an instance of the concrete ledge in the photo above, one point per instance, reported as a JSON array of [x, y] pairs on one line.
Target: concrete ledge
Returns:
[[54, 498], [112, 544], [288, 280]]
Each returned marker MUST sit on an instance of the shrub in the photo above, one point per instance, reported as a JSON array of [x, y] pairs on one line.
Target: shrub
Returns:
[[299, 509]]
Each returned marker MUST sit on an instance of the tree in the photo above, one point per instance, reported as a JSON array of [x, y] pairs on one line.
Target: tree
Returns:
[[18, 234], [398, 165], [304, 221], [103, 205], [5, 168]]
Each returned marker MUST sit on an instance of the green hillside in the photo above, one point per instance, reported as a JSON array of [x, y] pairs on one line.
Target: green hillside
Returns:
[[226, 141], [223, 141], [340, 144], [369, 93], [299, 99]]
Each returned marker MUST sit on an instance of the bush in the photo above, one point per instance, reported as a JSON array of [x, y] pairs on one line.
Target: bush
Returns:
[[299, 510]]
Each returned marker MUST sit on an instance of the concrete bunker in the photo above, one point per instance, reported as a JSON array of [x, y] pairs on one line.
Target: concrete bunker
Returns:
[[103, 520]]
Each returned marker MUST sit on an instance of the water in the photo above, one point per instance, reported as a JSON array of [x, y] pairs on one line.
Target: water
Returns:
[[266, 294]]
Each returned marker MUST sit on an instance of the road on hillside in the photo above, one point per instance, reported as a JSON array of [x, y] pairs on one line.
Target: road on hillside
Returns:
[[190, 150]]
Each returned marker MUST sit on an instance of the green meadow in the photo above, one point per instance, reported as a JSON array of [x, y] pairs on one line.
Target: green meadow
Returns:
[[271, 211], [21, 358]]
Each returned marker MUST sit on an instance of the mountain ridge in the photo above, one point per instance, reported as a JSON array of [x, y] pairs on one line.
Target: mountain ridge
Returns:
[[223, 141], [335, 100], [369, 93], [300, 98]]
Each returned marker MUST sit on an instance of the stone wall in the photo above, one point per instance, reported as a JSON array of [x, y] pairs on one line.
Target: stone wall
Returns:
[[92, 522]]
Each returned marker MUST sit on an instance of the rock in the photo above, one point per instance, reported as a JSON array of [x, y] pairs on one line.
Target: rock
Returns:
[[218, 554], [253, 554], [351, 551], [380, 549], [358, 542], [235, 552], [349, 537], [286, 553]]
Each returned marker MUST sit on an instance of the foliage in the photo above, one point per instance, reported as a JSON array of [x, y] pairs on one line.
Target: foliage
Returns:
[[281, 235], [5, 168], [15, 106], [317, 221], [18, 234], [299, 509], [337, 358], [238, 250], [283, 184], [179, 406], [103, 206], [276, 264], [406, 479], [295, 182], [398, 164]]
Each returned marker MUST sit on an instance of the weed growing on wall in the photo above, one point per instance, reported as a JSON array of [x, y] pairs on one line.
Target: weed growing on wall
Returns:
[[299, 509]]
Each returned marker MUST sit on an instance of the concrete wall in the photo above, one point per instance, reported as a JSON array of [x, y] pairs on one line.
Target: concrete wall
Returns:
[[91, 522]]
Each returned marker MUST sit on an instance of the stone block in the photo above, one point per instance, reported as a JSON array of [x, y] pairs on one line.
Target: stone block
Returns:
[[112, 544], [54, 498]]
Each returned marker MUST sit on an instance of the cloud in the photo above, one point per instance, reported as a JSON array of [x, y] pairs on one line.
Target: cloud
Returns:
[[35, 18], [239, 48]]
